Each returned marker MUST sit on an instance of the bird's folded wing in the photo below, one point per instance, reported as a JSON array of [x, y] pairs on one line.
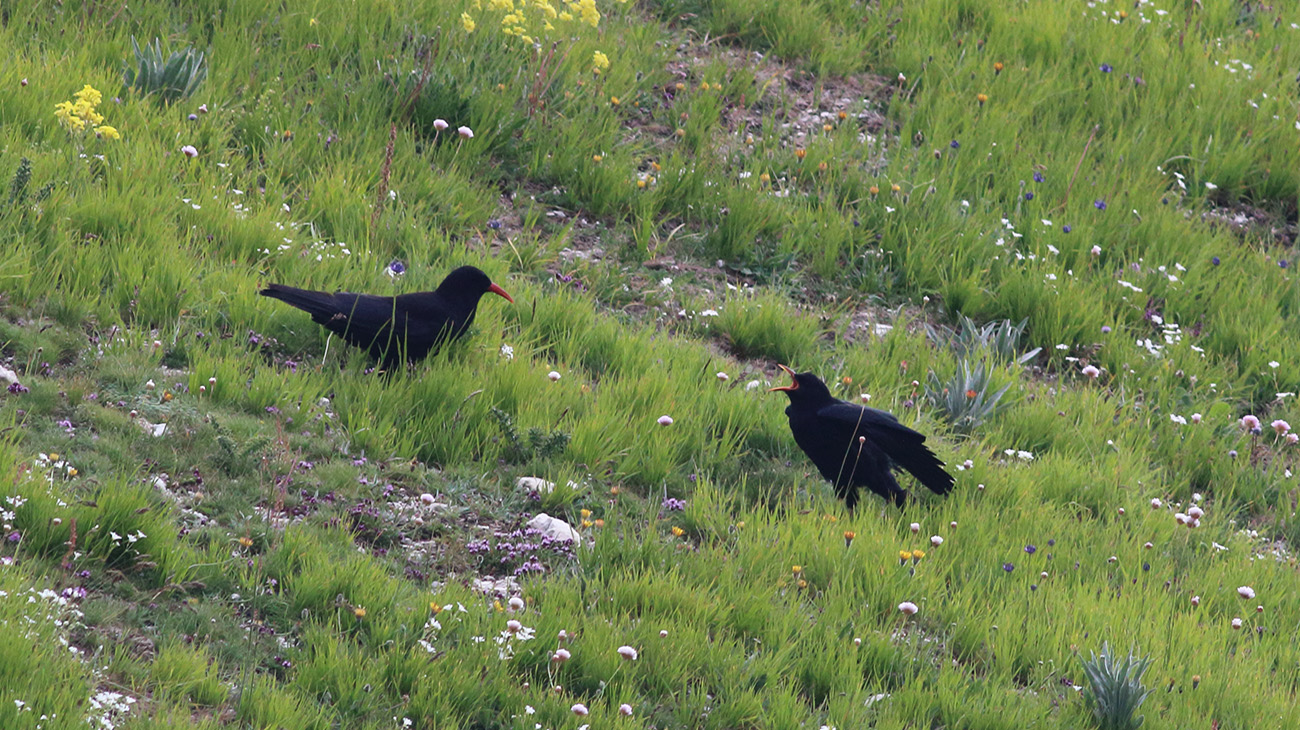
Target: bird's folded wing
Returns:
[[902, 445]]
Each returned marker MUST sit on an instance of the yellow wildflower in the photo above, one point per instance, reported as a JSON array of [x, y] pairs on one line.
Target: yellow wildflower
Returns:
[[246, 541], [359, 612], [501, 4], [599, 523], [585, 513], [566, 16], [796, 569], [89, 95], [467, 23], [434, 608], [63, 110], [599, 61], [72, 472], [904, 556], [586, 523], [803, 583], [678, 532], [917, 555], [590, 15], [313, 22], [108, 132]]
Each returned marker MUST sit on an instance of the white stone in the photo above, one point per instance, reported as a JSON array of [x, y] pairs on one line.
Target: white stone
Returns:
[[555, 528]]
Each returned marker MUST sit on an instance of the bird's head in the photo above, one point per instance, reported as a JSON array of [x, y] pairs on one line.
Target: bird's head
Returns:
[[470, 281], [804, 387]]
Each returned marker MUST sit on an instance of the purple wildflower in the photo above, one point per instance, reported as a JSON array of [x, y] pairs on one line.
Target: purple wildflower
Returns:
[[15, 388], [1031, 549], [1008, 567], [1099, 204], [1106, 68], [1038, 176], [672, 504], [1215, 260], [494, 224], [1029, 196], [1065, 228], [954, 144]]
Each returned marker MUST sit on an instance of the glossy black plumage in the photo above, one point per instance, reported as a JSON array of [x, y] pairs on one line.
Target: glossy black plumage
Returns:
[[854, 446], [424, 320]]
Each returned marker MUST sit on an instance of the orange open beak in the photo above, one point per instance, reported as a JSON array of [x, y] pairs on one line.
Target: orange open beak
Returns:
[[502, 292], [794, 384]]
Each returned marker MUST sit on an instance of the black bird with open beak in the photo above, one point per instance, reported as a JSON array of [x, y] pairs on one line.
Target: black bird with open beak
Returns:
[[424, 320], [855, 446]]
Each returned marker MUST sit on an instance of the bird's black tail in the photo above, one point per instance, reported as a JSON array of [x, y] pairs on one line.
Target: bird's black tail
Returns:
[[921, 463], [319, 305]]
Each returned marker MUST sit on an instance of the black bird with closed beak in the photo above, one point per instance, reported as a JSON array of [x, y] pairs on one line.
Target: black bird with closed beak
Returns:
[[424, 320], [855, 446]]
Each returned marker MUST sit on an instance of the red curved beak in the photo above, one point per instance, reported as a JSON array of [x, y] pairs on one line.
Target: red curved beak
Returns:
[[502, 292], [794, 384]]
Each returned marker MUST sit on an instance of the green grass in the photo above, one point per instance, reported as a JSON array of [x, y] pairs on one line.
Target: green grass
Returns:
[[746, 184]]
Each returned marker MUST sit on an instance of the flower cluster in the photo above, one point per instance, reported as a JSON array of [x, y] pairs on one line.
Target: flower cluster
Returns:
[[532, 20], [521, 551], [81, 113]]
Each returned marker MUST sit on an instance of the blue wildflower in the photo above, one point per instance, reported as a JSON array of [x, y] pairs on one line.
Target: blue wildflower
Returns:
[[1038, 176], [1215, 260], [1029, 196], [1008, 567], [1106, 68], [1099, 204], [954, 144]]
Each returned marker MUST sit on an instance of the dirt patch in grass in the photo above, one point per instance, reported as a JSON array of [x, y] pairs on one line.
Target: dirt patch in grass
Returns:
[[874, 320], [1248, 222], [801, 102]]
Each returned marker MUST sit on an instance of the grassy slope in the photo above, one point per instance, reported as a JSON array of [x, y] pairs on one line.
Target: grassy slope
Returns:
[[284, 571]]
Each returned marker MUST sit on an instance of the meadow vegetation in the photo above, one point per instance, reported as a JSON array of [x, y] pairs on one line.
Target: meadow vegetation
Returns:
[[1083, 215]]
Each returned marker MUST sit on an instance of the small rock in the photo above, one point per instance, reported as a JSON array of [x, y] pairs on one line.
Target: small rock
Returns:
[[541, 486], [555, 528], [534, 484], [8, 376]]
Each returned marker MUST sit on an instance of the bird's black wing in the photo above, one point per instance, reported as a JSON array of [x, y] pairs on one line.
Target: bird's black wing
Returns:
[[902, 445]]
